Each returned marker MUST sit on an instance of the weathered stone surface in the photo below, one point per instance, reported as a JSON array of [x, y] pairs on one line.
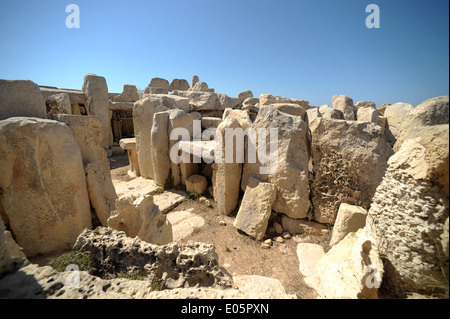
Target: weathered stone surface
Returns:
[[345, 104], [200, 101], [256, 207], [210, 122], [169, 101], [184, 223], [129, 94], [308, 257], [58, 104], [303, 226], [11, 255], [143, 112], [431, 112], [226, 101], [364, 104], [152, 90], [291, 108], [33, 282], [174, 265], [268, 99], [137, 216], [349, 161], [21, 98], [195, 79], [179, 84], [250, 101], [159, 83], [196, 184], [87, 131], [241, 116], [96, 92], [160, 147], [181, 119], [330, 113], [395, 115], [102, 193], [46, 210], [367, 114], [227, 171], [199, 86], [129, 144], [242, 96], [382, 108], [409, 211], [352, 269], [288, 160], [349, 220], [312, 113]]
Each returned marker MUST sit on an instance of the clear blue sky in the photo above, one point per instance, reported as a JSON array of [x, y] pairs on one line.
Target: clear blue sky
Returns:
[[300, 49]]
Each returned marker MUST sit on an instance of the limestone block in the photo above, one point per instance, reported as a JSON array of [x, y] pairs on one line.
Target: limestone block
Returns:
[[256, 207], [138, 216], [21, 98], [43, 185]]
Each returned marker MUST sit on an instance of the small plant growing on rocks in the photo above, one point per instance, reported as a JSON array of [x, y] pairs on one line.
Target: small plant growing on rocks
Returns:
[[82, 260]]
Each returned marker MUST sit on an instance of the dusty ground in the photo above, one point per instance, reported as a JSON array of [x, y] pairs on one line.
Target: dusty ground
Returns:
[[238, 253]]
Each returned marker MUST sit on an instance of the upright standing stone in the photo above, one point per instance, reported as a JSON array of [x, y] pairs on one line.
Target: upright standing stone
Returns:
[[160, 147], [227, 173], [159, 83], [287, 160], [43, 185], [143, 112], [349, 162], [87, 131], [96, 91], [195, 79], [179, 84]]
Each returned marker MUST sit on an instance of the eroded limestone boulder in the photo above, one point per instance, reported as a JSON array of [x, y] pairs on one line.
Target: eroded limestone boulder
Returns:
[[256, 207], [173, 265], [409, 211], [179, 84], [434, 111], [43, 185], [345, 104], [349, 220], [58, 104], [349, 162], [138, 216], [395, 115]]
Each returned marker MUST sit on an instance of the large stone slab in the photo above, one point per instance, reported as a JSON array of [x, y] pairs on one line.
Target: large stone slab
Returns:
[[21, 98], [308, 257], [287, 168], [43, 185], [143, 112], [256, 207], [96, 92], [349, 162]]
